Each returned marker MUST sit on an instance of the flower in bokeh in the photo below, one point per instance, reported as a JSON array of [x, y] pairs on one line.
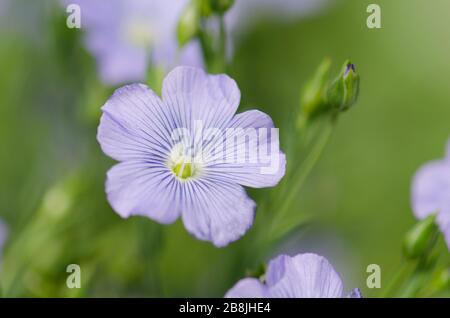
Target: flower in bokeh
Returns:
[[126, 35], [301, 276], [431, 193], [3, 235], [163, 174]]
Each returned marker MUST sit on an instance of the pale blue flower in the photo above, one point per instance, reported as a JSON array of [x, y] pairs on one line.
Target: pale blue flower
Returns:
[[431, 193], [301, 276], [164, 177]]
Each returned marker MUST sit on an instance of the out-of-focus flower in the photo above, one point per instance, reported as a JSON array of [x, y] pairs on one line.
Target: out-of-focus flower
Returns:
[[176, 158], [125, 36], [301, 276], [3, 235], [431, 193]]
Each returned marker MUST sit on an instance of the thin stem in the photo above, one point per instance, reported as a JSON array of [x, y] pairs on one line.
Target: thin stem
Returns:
[[395, 281], [214, 45]]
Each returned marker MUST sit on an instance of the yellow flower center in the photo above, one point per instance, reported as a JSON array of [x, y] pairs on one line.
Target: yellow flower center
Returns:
[[183, 165], [183, 170]]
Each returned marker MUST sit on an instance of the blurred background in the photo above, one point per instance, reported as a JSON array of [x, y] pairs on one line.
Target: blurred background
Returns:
[[357, 199]]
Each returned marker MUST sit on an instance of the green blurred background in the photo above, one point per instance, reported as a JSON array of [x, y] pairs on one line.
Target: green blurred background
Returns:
[[52, 170]]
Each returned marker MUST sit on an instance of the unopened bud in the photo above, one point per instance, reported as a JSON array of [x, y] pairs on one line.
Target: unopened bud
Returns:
[[344, 90]]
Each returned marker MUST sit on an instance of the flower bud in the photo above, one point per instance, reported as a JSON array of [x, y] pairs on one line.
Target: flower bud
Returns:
[[344, 90], [320, 97], [189, 24], [420, 237]]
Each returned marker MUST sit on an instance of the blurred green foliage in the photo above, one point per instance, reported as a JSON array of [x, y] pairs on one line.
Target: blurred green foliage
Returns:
[[52, 170]]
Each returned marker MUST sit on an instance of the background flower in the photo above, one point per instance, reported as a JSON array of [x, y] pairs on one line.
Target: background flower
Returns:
[[162, 181], [301, 276], [431, 193], [126, 36]]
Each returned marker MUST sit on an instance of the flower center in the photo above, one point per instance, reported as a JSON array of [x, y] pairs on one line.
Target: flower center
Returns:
[[183, 165]]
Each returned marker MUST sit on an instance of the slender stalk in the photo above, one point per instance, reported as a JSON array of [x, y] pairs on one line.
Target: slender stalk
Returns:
[[304, 171]]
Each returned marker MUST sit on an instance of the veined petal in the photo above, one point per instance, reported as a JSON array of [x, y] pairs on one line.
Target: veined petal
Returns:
[[305, 276], [143, 188], [276, 269], [134, 125], [217, 210], [251, 154], [431, 186], [247, 288], [192, 95]]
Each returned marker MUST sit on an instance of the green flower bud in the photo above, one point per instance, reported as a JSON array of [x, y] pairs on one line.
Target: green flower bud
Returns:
[[344, 90], [420, 237], [189, 24], [319, 97], [313, 95]]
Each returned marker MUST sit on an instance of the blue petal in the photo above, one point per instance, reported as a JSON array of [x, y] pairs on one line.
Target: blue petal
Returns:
[[134, 125], [192, 95], [217, 211], [143, 188], [254, 158], [247, 288], [304, 276]]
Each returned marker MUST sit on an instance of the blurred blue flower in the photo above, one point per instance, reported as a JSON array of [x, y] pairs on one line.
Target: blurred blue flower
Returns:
[[126, 35], [301, 276], [171, 155], [431, 193]]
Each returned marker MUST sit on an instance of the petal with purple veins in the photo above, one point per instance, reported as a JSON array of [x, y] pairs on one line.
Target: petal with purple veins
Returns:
[[134, 125], [307, 276], [144, 188], [192, 95], [252, 156]]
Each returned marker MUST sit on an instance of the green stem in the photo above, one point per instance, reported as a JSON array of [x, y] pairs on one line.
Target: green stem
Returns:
[[214, 50], [304, 171]]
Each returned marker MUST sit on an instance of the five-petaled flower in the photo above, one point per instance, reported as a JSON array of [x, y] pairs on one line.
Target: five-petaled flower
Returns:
[[431, 193], [163, 178], [301, 276]]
